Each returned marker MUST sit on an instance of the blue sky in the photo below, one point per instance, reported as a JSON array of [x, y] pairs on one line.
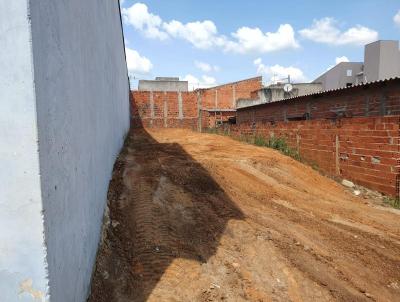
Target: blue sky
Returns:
[[214, 42]]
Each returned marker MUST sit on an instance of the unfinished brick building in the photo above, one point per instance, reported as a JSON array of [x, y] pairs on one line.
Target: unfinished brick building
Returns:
[[194, 110]]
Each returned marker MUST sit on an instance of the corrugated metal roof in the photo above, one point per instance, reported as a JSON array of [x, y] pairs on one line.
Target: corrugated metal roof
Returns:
[[328, 91]]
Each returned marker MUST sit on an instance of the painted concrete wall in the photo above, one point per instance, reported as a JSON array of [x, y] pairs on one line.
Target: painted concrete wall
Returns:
[[64, 114], [241, 103], [162, 85], [337, 77], [82, 94], [22, 252], [276, 92], [382, 60]]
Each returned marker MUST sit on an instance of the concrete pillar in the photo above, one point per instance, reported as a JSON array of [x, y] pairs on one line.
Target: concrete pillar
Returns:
[[216, 106], [151, 107], [180, 105], [200, 112], [234, 96], [382, 105], [165, 110], [367, 105], [337, 148]]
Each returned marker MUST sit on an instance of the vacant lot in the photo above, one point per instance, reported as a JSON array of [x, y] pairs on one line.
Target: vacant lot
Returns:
[[200, 217]]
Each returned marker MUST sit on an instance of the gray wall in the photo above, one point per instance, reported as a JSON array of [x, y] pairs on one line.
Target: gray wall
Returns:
[[242, 103], [83, 116], [64, 115], [22, 252], [382, 60], [149, 85], [276, 92], [306, 88], [336, 77]]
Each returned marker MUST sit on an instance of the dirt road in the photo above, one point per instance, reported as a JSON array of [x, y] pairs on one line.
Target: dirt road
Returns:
[[201, 217]]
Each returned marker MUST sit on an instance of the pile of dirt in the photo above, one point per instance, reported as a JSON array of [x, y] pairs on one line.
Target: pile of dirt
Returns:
[[200, 217]]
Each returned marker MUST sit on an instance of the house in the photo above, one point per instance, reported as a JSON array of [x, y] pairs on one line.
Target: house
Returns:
[[381, 61]]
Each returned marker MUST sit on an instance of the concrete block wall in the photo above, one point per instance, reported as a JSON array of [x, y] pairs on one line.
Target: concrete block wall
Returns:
[[64, 116], [365, 150]]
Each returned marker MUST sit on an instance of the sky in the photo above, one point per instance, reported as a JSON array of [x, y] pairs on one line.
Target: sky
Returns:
[[214, 42]]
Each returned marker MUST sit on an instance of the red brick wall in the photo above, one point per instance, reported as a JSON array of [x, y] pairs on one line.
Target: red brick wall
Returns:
[[351, 133], [163, 111], [228, 94], [365, 150], [210, 118], [376, 99]]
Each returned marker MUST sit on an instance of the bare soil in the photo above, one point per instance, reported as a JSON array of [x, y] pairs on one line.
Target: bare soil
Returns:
[[201, 217]]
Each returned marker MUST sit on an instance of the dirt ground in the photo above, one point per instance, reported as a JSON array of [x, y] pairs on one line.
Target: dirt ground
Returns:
[[201, 217]]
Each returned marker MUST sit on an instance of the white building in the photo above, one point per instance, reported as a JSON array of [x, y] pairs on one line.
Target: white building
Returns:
[[381, 61]]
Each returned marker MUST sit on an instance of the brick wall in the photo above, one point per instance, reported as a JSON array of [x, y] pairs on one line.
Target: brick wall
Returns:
[[212, 118], [375, 99], [225, 96], [365, 150], [174, 109], [164, 109], [351, 133]]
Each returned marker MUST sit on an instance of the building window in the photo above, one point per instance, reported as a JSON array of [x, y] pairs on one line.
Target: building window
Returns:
[[349, 72]]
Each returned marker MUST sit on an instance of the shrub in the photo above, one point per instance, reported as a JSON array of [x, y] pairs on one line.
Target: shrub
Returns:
[[393, 202]]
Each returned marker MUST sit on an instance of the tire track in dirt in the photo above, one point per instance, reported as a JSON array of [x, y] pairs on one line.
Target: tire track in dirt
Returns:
[[197, 217]]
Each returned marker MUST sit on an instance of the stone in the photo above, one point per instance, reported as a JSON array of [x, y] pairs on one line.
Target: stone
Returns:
[[347, 183]]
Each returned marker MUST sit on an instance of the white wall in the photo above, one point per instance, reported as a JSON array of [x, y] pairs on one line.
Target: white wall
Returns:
[[83, 115], [22, 252], [63, 118]]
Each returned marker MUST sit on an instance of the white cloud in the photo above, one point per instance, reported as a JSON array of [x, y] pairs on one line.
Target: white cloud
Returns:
[[136, 63], [201, 34], [278, 72], [121, 2], [326, 31], [205, 67], [341, 59], [139, 17], [204, 82], [257, 61], [396, 18], [204, 34], [253, 40]]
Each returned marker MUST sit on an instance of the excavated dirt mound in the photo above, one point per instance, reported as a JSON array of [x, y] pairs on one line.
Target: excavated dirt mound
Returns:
[[199, 217]]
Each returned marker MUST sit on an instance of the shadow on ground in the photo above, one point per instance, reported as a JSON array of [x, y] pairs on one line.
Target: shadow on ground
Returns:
[[163, 205]]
